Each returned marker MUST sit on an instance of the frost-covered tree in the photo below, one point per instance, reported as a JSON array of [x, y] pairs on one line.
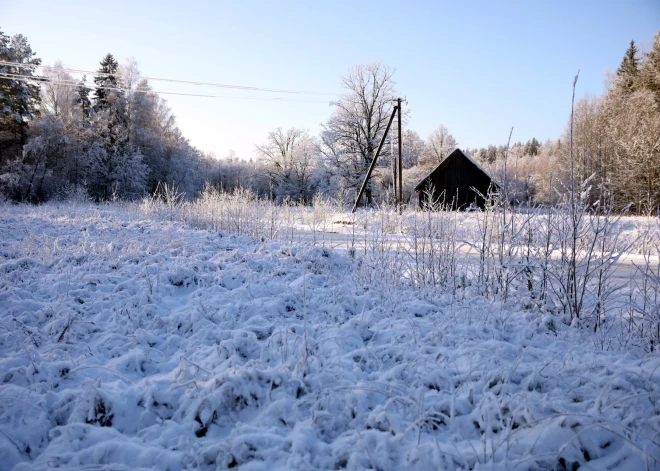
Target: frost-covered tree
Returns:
[[83, 100], [628, 71], [19, 97], [438, 145], [650, 73], [119, 170], [121, 143], [632, 124], [412, 148], [289, 158], [82, 152], [532, 147], [152, 131], [110, 107], [351, 136], [43, 159], [590, 144], [106, 82], [630, 116], [59, 96]]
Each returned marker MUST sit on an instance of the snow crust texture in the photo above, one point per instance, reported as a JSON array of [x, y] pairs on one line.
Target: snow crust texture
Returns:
[[129, 343]]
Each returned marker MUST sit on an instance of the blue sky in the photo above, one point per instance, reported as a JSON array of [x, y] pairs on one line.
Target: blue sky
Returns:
[[478, 67]]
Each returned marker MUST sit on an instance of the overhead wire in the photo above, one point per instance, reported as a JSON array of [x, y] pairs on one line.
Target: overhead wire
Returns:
[[189, 82], [73, 83]]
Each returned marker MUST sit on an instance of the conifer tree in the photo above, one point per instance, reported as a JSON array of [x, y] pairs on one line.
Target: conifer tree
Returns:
[[83, 99], [532, 147], [19, 98], [110, 120], [629, 69], [105, 79], [110, 123]]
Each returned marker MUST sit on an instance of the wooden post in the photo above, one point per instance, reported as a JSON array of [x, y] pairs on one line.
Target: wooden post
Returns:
[[400, 172], [394, 167]]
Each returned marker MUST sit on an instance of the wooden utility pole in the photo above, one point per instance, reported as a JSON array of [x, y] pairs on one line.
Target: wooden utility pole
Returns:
[[398, 177], [400, 172], [373, 162], [394, 168]]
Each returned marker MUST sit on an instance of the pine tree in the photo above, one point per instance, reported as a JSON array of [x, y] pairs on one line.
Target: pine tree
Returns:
[[110, 123], [105, 80], [110, 107], [629, 69], [19, 98], [83, 99], [532, 147]]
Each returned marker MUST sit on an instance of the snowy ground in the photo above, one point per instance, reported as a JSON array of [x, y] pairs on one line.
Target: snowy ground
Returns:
[[130, 343]]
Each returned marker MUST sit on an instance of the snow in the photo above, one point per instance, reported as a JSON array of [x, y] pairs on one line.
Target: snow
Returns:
[[129, 342]]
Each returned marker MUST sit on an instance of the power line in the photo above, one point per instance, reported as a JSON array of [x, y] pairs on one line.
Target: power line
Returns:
[[73, 83], [189, 82]]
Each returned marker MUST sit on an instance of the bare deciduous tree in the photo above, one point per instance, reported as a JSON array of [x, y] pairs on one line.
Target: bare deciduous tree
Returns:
[[289, 157], [351, 136], [413, 147], [59, 96], [633, 125], [439, 145]]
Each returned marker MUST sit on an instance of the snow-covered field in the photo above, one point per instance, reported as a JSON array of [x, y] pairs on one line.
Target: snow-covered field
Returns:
[[129, 342]]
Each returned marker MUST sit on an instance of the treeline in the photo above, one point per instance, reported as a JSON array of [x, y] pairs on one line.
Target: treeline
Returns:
[[616, 147], [616, 144], [617, 136], [115, 137], [112, 138]]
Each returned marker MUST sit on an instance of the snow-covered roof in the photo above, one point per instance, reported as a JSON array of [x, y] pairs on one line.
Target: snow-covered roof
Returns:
[[468, 156]]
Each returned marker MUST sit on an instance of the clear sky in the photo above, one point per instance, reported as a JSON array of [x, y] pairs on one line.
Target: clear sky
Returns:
[[478, 67]]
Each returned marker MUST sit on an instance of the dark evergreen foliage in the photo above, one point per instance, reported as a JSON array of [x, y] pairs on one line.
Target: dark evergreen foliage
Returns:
[[83, 99], [19, 99], [105, 79], [532, 147], [629, 68]]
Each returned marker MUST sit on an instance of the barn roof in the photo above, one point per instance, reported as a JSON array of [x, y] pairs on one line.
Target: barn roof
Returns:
[[444, 162]]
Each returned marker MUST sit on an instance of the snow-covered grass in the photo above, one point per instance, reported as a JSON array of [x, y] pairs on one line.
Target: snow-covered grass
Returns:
[[208, 336], [556, 260]]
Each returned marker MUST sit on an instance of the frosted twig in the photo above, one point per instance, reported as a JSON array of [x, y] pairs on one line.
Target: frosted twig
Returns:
[[181, 357], [36, 371], [125, 378]]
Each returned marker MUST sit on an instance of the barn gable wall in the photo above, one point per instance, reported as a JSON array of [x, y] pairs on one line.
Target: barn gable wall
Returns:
[[454, 182]]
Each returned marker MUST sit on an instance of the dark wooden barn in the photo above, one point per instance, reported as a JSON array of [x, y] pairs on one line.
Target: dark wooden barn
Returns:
[[459, 182]]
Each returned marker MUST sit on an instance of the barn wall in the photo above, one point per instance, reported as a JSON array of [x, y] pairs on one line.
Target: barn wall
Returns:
[[453, 182]]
